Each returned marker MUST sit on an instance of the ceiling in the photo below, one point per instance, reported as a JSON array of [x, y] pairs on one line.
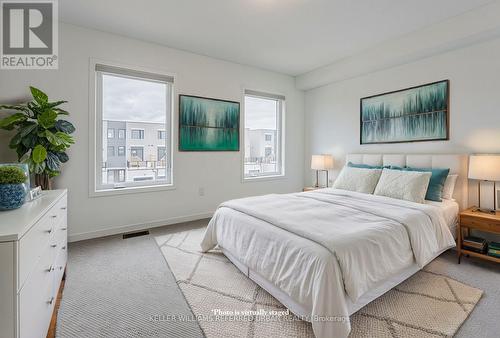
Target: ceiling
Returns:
[[287, 36]]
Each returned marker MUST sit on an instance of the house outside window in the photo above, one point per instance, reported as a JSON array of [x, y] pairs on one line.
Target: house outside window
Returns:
[[263, 135], [127, 137], [162, 134]]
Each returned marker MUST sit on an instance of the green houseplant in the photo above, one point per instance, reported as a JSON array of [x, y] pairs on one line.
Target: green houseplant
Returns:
[[42, 138], [12, 191]]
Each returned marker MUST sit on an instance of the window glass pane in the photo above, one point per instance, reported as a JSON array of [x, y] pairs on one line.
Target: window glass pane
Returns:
[[121, 133], [133, 110], [161, 134], [262, 137]]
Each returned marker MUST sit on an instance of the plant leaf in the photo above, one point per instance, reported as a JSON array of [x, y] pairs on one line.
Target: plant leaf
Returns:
[[13, 107], [61, 111], [27, 128], [38, 95], [67, 139], [39, 154], [29, 141], [47, 119], [15, 141], [65, 126], [54, 104], [52, 138], [9, 121], [63, 157], [52, 161]]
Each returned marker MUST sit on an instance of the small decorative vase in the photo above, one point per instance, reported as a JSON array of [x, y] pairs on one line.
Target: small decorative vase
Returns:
[[12, 196]]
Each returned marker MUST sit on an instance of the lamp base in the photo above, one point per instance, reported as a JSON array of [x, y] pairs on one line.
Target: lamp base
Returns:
[[484, 211]]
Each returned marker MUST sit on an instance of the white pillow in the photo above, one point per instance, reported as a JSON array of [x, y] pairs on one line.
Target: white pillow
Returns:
[[403, 185], [357, 179], [449, 186]]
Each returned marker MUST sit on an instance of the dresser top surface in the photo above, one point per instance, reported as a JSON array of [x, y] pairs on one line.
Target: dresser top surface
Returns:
[[15, 223]]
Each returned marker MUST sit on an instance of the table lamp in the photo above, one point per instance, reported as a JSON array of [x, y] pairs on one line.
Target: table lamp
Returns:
[[485, 168], [321, 163]]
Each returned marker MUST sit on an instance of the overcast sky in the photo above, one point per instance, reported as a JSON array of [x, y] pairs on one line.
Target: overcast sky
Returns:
[[136, 100]]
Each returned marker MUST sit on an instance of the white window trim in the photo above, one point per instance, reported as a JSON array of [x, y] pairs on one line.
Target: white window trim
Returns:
[[281, 137], [95, 131]]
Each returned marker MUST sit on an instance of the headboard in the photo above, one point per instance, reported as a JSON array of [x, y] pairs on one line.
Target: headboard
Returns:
[[458, 164]]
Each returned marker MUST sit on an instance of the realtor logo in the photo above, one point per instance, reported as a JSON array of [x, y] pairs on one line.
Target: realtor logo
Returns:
[[29, 34]]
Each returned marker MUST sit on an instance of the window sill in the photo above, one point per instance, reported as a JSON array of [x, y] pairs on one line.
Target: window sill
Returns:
[[131, 190], [263, 178]]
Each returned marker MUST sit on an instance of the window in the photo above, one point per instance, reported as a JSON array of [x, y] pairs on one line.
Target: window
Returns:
[[121, 133], [137, 134], [264, 115], [134, 103], [121, 151], [161, 153], [136, 154], [162, 134]]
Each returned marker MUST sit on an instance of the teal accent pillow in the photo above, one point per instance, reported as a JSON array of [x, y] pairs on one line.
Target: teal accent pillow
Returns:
[[366, 166], [436, 183]]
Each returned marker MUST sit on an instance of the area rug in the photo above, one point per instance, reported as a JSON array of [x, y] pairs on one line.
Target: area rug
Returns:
[[425, 305]]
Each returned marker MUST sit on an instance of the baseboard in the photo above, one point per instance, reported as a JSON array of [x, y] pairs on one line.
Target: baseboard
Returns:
[[136, 227]]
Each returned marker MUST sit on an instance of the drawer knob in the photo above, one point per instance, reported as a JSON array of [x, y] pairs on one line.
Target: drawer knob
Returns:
[[64, 229], [63, 208], [51, 300], [48, 231], [64, 247], [50, 269], [53, 245], [60, 267], [53, 216]]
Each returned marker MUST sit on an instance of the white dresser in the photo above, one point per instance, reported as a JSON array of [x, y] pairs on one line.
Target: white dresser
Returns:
[[33, 252]]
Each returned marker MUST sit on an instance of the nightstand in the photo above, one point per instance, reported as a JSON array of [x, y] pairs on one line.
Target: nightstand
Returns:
[[311, 188], [477, 220]]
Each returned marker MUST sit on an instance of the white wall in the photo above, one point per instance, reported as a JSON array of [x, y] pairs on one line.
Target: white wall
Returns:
[[218, 173], [332, 111]]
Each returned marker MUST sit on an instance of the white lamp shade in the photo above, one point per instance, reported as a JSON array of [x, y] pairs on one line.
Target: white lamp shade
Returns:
[[484, 167], [322, 162]]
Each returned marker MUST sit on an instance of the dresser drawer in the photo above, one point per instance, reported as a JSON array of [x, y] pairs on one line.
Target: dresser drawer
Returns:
[[34, 244], [37, 298]]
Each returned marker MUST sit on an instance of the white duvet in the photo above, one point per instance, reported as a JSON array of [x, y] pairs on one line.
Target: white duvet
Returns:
[[318, 246]]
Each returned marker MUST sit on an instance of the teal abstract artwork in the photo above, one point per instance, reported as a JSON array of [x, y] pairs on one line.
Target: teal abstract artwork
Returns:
[[408, 115], [207, 124]]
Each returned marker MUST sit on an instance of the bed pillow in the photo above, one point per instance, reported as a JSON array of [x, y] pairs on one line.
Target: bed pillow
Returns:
[[357, 179], [366, 166], [436, 183], [404, 185], [449, 186]]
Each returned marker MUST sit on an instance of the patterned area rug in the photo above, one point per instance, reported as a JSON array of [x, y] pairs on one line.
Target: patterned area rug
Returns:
[[426, 305]]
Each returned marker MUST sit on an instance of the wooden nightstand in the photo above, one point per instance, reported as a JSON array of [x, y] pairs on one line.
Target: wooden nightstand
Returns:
[[311, 188], [470, 219]]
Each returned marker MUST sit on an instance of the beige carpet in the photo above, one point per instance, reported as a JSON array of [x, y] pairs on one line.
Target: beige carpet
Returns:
[[426, 305]]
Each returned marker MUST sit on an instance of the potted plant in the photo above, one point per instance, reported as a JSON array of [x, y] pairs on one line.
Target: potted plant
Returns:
[[12, 191], [42, 138]]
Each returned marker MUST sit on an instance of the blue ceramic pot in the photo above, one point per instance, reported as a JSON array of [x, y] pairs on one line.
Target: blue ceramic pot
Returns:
[[11, 196]]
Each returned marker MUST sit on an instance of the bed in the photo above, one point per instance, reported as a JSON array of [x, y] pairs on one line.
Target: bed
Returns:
[[325, 254]]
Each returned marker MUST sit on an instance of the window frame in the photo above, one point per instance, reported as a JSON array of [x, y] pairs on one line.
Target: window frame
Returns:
[[141, 131], [112, 130], [96, 129], [280, 135]]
